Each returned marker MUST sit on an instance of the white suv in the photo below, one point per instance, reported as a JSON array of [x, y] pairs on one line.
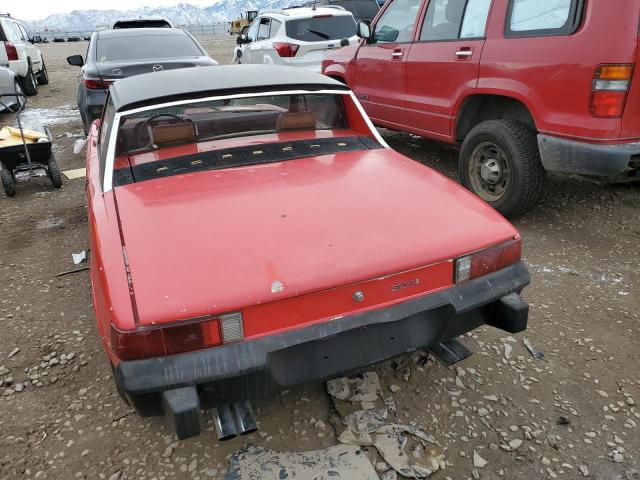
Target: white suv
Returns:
[[19, 52], [298, 37]]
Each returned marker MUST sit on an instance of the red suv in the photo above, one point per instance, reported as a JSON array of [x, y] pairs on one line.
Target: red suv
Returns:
[[525, 86]]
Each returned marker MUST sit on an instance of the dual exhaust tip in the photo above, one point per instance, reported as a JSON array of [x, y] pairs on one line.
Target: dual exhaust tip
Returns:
[[181, 407], [232, 420]]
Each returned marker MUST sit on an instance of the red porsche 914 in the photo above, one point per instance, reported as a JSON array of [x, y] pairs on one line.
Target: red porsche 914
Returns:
[[251, 230]]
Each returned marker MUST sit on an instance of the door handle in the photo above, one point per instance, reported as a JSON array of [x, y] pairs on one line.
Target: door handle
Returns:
[[397, 54], [464, 52]]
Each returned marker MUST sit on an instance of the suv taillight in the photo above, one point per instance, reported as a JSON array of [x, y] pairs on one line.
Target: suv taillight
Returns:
[[96, 83], [286, 49], [176, 338], [487, 261], [12, 52], [609, 91]]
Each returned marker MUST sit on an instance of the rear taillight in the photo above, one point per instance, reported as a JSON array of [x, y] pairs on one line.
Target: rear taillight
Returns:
[[286, 49], [93, 83], [487, 261], [609, 91], [12, 52], [176, 338]]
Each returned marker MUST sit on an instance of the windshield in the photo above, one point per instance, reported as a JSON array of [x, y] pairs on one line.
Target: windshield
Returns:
[[321, 28], [228, 118], [143, 47]]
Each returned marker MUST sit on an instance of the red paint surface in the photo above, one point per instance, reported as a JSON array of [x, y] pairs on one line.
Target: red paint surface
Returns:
[[424, 91], [322, 306], [212, 242]]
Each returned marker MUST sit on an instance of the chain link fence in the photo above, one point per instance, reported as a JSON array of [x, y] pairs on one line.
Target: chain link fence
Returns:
[[220, 28]]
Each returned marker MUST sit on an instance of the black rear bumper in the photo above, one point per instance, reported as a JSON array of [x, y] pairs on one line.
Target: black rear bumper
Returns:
[[261, 367]]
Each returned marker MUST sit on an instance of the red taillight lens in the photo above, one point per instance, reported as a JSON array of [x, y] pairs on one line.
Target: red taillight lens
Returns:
[[169, 340], [609, 90], [608, 104], [96, 83], [12, 52], [487, 261], [286, 49]]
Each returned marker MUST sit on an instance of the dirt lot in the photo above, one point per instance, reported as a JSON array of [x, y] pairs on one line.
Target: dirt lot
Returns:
[[575, 411]]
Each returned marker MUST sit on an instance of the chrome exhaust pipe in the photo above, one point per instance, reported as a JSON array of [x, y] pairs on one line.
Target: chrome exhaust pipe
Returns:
[[244, 418], [224, 422]]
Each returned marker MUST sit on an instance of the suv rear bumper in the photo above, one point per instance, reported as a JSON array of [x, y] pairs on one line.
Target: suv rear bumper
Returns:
[[570, 156], [269, 364]]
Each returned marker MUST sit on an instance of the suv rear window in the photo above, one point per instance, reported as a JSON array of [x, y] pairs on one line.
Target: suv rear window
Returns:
[[543, 17], [321, 28], [141, 24], [146, 46]]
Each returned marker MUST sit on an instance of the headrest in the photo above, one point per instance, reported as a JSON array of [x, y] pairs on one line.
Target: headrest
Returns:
[[173, 133], [296, 121], [454, 11]]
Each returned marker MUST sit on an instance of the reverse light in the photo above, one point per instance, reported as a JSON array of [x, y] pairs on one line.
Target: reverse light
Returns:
[[12, 52], [96, 83], [286, 49], [487, 261], [609, 90], [176, 338]]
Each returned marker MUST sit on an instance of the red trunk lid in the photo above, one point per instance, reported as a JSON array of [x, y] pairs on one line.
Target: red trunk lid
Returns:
[[224, 240]]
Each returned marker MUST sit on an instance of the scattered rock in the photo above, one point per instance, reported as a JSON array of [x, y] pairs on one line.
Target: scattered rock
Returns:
[[13, 352], [478, 461], [483, 412], [583, 470], [515, 444]]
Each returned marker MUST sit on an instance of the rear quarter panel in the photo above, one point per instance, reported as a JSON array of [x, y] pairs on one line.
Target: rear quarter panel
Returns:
[[111, 298], [553, 75]]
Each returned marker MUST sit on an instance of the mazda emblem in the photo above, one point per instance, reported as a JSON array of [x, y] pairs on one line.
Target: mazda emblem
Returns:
[[157, 68], [358, 296]]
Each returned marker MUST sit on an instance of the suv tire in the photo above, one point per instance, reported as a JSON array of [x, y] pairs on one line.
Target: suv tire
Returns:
[[43, 76], [30, 83], [500, 162], [8, 182]]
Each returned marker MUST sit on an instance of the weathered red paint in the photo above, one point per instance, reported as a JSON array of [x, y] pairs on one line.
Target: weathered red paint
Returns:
[[424, 91]]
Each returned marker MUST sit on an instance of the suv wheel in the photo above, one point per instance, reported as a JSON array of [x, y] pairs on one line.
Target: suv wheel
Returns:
[[43, 76], [19, 103], [500, 162], [29, 83]]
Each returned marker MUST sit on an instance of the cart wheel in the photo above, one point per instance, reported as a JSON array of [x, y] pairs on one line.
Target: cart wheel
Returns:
[[7, 182], [54, 173]]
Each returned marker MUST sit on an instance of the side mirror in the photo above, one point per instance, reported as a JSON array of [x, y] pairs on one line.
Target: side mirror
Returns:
[[363, 30], [36, 39], [75, 60], [344, 42]]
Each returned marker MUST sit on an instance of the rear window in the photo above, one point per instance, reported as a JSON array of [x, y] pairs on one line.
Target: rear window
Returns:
[[321, 28], [209, 121], [145, 47], [543, 17], [141, 24], [361, 9]]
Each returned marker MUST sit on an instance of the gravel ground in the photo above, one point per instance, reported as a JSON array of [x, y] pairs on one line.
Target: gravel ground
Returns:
[[572, 414]]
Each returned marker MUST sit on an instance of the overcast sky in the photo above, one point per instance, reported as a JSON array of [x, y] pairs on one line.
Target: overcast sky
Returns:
[[38, 9]]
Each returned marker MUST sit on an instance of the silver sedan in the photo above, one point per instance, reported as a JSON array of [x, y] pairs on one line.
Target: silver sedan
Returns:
[[9, 85]]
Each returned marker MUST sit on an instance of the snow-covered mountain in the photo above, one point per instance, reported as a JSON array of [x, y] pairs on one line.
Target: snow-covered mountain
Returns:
[[180, 14]]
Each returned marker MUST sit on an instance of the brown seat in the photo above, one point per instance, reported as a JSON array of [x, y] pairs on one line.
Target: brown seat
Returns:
[[296, 121], [173, 133]]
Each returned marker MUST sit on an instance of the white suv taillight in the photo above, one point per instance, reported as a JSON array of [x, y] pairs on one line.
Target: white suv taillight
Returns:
[[609, 91], [12, 52], [286, 49], [487, 261]]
